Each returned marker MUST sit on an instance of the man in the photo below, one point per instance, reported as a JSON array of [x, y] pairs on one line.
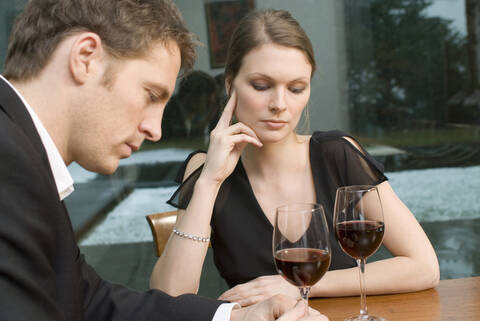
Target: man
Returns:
[[87, 81]]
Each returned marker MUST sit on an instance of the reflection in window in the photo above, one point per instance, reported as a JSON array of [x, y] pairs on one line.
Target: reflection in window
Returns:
[[412, 77], [196, 107]]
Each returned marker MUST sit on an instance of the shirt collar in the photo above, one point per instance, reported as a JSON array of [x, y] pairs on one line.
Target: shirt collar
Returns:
[[63, 179]]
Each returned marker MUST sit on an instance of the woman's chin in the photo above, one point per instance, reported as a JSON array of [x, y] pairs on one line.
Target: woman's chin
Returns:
[[272, 137]]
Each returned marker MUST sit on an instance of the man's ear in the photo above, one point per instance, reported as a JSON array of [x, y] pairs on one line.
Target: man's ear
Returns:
[[85, 56]]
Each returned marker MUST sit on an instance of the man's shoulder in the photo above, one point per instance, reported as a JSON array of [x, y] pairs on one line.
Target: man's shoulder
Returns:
[[17, 152], [12, 138]]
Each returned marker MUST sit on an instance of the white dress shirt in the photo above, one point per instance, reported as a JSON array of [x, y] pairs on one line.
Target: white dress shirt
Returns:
[[64, 182]]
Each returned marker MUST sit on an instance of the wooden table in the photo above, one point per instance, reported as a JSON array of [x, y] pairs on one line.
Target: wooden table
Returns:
[[456, 299]]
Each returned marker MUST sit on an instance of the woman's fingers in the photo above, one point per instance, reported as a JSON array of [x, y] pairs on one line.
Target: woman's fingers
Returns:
[[298, 313], [313, 312], [223, 127], [240, 128], [240, 290], [244, 133], [226, 144], [236, 297], [244, 138], [250, 300], [226, 117], [294, 314], [245, 294], [256, 286], [230, 295]]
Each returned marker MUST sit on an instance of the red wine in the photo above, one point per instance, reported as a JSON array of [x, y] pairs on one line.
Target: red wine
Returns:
[[302, 266], [360, 239]]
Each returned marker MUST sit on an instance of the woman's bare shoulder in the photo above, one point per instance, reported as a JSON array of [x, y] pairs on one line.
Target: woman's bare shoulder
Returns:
[[354, 143], [195, 162]]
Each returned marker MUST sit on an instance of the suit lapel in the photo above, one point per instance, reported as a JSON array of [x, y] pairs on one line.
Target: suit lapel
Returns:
[[16, 110]]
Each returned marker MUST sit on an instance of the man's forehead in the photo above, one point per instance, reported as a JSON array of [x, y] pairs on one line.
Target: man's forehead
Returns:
[[165, 61]]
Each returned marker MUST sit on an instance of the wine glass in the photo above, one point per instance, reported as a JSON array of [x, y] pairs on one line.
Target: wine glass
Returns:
[[359, 229], [301, 247]]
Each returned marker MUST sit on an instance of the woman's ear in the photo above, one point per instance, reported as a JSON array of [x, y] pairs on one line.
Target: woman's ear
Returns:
[[85, 55]]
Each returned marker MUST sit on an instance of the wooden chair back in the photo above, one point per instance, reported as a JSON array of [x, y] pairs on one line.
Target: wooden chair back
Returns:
[[161, 225]]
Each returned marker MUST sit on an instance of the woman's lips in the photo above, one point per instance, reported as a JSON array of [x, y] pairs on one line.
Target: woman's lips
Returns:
[[275, 124]]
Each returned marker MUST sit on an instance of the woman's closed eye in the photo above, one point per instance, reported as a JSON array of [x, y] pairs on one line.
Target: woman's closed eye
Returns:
[[296, 90], [260, 87]]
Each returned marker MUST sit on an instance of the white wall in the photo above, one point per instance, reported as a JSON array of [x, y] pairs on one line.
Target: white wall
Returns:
[[323, 21]]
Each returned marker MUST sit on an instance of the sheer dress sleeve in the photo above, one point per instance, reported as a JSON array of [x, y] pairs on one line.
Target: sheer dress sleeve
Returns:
[[181, 197], [342, 164], [345, 163]]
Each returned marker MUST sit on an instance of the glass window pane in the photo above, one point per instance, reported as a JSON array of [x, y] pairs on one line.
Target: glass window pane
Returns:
[[402, 76]]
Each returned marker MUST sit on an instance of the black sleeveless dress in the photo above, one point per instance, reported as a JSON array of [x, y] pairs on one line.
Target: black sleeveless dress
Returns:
[[241, 233]]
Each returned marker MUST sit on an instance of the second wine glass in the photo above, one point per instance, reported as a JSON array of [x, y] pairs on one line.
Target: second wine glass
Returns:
[[359, 229], [301, 247]]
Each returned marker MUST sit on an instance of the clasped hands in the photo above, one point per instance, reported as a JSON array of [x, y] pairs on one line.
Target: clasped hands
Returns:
[[279, 307], [260, 289]]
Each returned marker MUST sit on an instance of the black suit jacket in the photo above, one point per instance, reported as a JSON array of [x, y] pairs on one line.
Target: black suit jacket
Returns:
[[43, 276]]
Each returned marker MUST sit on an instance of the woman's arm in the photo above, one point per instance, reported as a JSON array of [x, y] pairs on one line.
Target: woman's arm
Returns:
[[414, 265], [178, 269], [177, 273]]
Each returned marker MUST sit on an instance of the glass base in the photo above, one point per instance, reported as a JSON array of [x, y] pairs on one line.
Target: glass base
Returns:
[[365, 318]]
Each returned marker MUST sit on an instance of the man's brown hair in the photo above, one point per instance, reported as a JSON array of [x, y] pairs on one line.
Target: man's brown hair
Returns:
[[127, 28]]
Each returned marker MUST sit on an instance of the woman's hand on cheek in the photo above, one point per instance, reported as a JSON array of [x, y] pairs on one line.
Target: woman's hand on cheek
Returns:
[[260, 289], [227, 143]]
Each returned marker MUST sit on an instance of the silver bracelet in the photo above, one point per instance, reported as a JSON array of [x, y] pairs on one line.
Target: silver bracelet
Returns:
[[191, 237]]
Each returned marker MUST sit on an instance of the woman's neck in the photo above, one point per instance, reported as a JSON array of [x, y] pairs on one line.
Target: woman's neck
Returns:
[[273, 158]]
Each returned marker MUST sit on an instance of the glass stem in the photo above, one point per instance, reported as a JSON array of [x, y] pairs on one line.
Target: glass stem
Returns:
[[304, 293], [363, 295]]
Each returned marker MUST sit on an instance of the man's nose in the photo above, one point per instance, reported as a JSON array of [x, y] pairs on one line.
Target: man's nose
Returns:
[[151, 126]]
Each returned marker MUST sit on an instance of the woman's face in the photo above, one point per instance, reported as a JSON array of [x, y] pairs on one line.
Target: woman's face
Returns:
[[272, 88]]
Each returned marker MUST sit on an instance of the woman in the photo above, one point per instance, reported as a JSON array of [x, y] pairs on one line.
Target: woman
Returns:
[[259, 163]]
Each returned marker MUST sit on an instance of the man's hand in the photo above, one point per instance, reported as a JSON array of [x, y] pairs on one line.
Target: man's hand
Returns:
[[260, 289], [278, 307]]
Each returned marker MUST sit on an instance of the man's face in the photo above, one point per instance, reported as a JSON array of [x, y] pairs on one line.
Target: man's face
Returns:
[[114, 118]]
